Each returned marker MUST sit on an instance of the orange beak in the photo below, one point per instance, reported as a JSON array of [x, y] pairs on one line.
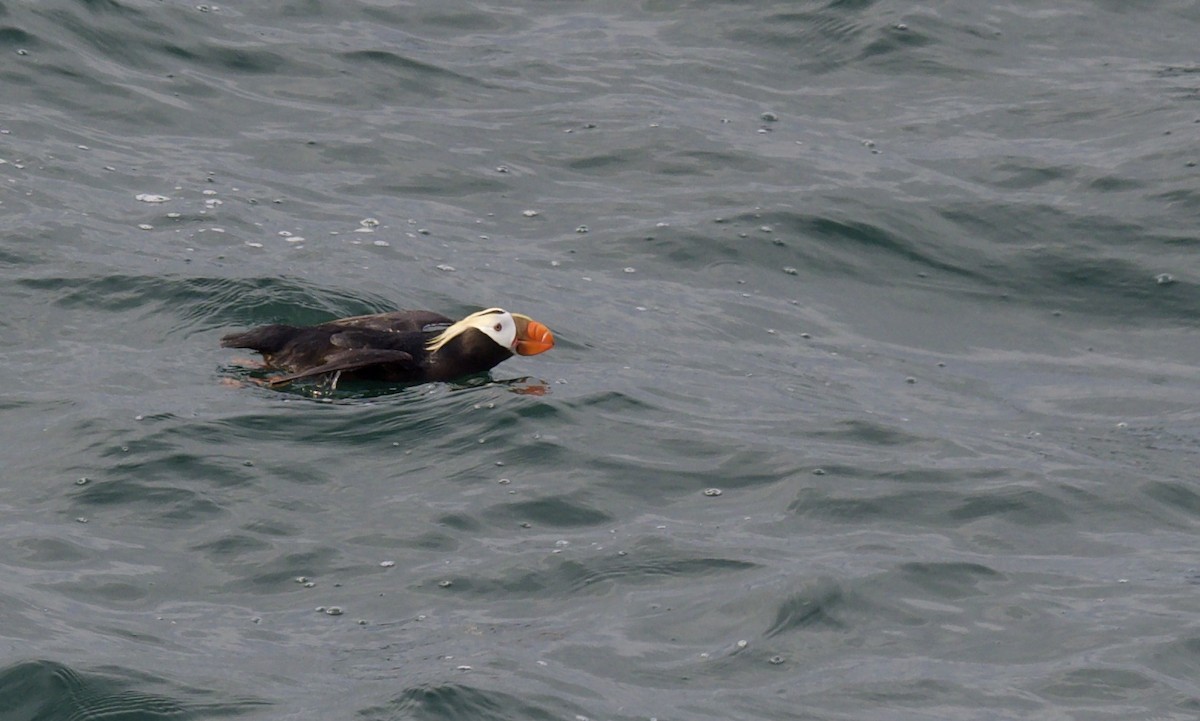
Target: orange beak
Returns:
[[532, 337]]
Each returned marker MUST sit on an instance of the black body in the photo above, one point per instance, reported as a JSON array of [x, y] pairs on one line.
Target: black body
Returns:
[[387, 347]]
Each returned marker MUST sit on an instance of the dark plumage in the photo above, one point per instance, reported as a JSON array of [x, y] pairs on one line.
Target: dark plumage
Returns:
[[400, 347]]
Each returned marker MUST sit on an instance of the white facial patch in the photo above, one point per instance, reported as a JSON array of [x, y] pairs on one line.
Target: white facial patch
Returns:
[[498, 325]]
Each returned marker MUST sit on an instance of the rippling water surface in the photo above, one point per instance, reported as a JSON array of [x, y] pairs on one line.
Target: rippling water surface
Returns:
[[875, 394]]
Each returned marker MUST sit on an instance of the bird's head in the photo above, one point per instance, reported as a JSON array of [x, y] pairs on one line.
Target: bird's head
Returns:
[[513, 332]]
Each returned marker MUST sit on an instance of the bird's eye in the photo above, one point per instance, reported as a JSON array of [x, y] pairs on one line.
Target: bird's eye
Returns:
[[497, 327]]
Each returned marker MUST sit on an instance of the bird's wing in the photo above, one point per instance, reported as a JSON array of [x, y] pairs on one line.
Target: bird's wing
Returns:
[[348, 360], [398, 321]]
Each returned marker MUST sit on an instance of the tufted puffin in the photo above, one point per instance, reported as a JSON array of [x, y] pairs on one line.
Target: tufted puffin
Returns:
[[404, 346]]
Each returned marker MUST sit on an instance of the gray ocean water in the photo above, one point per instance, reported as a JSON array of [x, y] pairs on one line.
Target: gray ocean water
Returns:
[[875, 394]]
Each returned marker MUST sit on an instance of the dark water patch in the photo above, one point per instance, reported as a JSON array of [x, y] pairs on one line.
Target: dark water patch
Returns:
[[847, 236], [276, 528], [224, 53], [51, 691], [459, 522], [1018, 505], [107, 27], [642, 565], [919, 693], [1116, 183], [99, 591], [611, 161], [122, 9], [920, 507], [1114, 287], [149, 504], [1175, 71], [612, 402], [12, 38], [1099, 685], [205, 303], [819, 40], [1090, 269], [413, 76], [445, 182], [552, 511], [715, 162], [865, 244], [49, 552], [661, 163], [432, 541], [892, 41], [1023, 506], [457, 22], [867, 433], [232, 547], [689, 249], [1028, 174], [1178, 497], [12, 257], [675, 466], [639, 567], [953, 581], [457, 701], [279, 574], [815, 609], [172, 465], [970, 477], [1188, 198], [416, 427], [1177, 658]]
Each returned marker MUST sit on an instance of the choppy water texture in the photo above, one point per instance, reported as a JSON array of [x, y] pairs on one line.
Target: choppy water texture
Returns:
[[913, 286]]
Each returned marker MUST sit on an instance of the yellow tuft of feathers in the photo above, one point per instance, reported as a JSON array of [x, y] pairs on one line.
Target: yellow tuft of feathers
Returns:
[[458, 328]]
